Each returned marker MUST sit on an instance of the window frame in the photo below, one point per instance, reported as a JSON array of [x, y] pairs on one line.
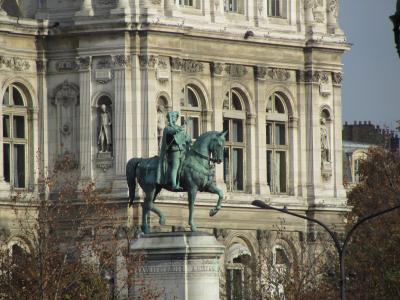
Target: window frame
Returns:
[[273, 119], [230, 115], [12, 111], [188, 111], [283, 9]]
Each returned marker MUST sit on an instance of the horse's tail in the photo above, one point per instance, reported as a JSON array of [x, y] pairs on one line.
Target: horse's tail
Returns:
[[131, 177]]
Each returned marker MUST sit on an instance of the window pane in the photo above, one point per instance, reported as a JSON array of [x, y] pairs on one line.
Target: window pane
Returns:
[[6, 126], [17, 97], [226, 101], [237, 162], [192, 99], [237, 128], [236, 103], [6, 97], [6, 162], [279, 107], [193, 127], [269, 169], [269, 104], [280, 134], [226, 167], [226, 128], [269, 133], [281, 171], [19, 127], [19, 166]]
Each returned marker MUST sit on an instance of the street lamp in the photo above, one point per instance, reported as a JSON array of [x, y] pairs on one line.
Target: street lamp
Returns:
[[339, 245], [396, 26]]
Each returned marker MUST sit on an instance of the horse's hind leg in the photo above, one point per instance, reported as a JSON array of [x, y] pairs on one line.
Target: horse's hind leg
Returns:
[[157, 210], [213, 189], [145, 215], [192, 197]]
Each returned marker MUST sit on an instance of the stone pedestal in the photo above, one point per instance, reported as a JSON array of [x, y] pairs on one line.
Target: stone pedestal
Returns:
[[184, 265]]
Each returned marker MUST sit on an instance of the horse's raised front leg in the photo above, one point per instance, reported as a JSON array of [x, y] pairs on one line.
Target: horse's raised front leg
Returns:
[[192, 197], [213, 189], [157, 210]]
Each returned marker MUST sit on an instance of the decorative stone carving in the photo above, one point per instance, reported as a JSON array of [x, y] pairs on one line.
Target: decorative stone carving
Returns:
[[122, 60], [326, 164], [156, 2], [104, 63], [147, 61], [236, 70], [103, 76], [261, 72], [66, 161], [66, 100], [14, 63], [314, 10], [84, 63], [278, 74], [162, 62], [176, 63], [163, 72], [221, 234], [2, 11], [66, 66], [337, 78], [192, 66], [217, 68], [332, 7]]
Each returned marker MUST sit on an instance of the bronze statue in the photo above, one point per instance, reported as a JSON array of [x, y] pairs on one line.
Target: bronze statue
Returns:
[[196, 173], [174, 144]]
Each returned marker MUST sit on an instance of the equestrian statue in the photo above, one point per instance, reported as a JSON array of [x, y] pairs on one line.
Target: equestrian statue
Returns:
[[180, 167]]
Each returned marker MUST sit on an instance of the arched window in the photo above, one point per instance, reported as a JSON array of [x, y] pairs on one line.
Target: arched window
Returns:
[[15, 137], [277, 145], [191, 111], [234, 153], [277, 8]]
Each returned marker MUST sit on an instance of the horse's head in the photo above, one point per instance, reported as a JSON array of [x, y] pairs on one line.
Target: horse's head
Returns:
[[216, 147]]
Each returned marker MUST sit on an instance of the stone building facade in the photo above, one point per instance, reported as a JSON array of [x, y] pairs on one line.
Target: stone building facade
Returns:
[[91, 80]]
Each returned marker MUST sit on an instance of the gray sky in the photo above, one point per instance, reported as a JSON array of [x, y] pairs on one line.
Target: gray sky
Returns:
[[371, 86]]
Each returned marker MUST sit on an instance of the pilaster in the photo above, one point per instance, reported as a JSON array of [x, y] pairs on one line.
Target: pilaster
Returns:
[[4, 186], [261, 185], [85, 87], [252, 163]]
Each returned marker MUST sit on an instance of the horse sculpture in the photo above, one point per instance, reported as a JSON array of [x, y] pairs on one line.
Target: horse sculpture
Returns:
[[197, 174]]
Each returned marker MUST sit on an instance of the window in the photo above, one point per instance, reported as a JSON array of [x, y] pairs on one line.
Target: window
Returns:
[[277, 8], [277, 144], [234, 152], [235, 6], [190, 3], [15, 137], [191, 111]]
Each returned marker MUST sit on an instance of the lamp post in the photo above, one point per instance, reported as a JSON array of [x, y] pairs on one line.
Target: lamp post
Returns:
[[396, 26], [339, 245]]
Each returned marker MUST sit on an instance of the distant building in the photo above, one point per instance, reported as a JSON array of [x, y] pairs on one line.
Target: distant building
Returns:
[[357, 138]]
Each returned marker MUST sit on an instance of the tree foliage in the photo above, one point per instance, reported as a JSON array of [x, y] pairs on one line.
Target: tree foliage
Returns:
[[373, 258], [69, 245]]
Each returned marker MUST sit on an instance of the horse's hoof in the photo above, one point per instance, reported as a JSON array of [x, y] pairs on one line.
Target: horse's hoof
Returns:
[[213, 212], [162, 221], [193, 228]]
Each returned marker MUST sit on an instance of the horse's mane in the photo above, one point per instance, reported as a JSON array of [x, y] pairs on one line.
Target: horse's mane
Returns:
[[200, 140]]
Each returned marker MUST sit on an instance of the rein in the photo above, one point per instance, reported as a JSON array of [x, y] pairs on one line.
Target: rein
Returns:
[[209, 159]]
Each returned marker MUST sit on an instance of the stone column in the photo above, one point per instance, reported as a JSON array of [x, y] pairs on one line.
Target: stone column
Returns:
[[4, 186], [337, 147], [261, 186], [217, 93], [251, 153], [86, 9], [183, 265], [149, 121], [85, 119], [122, 122]]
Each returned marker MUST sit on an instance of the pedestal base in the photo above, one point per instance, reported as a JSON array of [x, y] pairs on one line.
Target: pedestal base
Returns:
[[183, 265]]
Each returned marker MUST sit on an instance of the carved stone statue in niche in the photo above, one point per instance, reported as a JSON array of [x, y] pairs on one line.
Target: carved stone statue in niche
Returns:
[[325, 147], [104, 138], [162, 110]]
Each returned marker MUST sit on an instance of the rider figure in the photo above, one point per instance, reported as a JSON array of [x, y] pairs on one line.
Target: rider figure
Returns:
[[174, 144]]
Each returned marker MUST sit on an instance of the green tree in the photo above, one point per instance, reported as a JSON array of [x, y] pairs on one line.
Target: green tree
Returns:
[[373, 258]]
